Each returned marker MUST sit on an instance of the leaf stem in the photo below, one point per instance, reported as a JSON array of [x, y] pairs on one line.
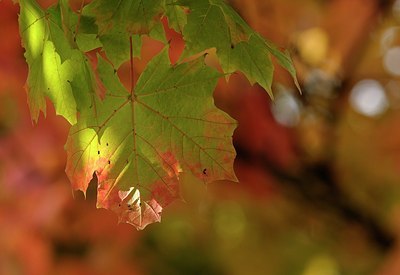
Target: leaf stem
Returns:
[[131, 69]]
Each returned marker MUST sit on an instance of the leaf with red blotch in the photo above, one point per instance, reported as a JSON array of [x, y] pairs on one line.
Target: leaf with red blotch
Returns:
[[139, 142]]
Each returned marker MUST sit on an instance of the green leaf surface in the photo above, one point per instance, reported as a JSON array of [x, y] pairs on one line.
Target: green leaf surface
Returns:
[[118, 20], [117, 47], [132, 16], [80, 30], [143, 140], [176, 15], [158, 33]]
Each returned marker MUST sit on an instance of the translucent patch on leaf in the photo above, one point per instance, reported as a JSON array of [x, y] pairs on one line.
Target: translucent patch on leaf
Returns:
[[128, 205]]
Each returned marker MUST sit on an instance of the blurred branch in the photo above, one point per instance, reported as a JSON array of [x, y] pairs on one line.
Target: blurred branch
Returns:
[[317, 186]]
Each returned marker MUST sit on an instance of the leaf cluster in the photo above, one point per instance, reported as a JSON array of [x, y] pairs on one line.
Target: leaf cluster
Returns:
[[140, 140]]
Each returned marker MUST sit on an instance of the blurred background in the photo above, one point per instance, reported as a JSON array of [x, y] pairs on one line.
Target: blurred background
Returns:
[[319, 190]]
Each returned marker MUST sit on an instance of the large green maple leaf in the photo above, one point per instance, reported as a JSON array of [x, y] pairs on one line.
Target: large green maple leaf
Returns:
[[139, 142]]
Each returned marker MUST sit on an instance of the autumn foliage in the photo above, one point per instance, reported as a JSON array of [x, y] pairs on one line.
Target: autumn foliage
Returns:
[[139, 139], [317, 173]]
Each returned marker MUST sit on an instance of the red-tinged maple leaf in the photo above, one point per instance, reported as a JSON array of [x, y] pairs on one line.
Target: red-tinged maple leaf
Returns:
[[138, 143]]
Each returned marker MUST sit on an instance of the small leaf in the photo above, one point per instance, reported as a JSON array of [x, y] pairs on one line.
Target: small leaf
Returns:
[[214, 24], [285, 61], [47, 76], [253, 59], [56, 69]]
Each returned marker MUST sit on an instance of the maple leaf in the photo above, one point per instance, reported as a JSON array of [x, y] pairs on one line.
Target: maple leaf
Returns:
[[139, 142], [56, 69], [48, 76], [214, 24]]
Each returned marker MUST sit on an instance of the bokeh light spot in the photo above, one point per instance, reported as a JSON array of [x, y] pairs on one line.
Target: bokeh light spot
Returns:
[[313, 45], [391, 61], [286, 109], [368, 97]]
